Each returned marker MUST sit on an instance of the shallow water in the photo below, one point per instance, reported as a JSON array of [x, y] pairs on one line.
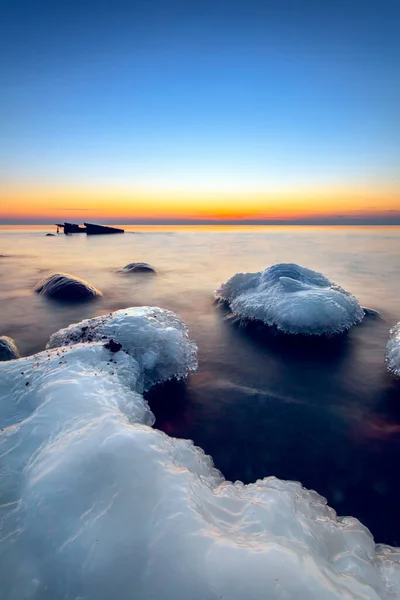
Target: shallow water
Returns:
[[326, 414]]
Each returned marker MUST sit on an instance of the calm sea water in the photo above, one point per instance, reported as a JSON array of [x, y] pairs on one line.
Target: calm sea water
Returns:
[[326, 414]]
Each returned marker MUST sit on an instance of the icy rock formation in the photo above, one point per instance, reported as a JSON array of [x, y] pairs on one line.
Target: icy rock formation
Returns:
[[8, 348], [137, 267], [156, 338], [294, 299], [393, 351], [62, 286], [97, 504]]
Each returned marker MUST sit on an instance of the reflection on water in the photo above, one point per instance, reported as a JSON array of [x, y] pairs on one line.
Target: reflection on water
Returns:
[[324, 413]]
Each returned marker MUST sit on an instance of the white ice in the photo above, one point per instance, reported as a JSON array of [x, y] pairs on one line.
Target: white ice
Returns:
[[156, 338], [294, 299], [393, 351], [95, 504]]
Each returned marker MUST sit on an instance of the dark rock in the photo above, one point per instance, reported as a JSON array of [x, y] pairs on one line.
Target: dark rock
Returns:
[[137, 267], [371, 312], [62, 286], [113, 346], [8, 348], [50, 235]]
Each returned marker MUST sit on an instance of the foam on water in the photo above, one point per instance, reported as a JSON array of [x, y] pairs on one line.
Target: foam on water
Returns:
[[97, 504], [393, 351], [294, 299]]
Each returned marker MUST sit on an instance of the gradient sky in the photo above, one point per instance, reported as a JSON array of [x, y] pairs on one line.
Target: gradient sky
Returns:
[[241, 110]]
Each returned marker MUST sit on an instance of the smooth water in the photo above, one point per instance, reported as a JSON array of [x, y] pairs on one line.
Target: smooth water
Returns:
[[325, 413]]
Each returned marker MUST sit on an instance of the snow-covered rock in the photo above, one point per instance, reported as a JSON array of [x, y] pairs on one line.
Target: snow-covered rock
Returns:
[[63, 286], [156, 338], [393, 351], [294, 299], [97, 504], [137, 267], [8, 348]]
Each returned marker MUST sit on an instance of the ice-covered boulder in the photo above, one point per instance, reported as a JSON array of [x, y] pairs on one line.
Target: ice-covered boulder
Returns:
[[393, 351], [137, 267], [97, 504], [157, 338], [63, 286], [294, 299], [8, 348]]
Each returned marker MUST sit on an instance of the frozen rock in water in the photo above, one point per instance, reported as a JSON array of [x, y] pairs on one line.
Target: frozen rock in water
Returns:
[[137, 267], [8, 348], [97, 504], [393, 351], [62, 286], [158, 339], [294, 299]]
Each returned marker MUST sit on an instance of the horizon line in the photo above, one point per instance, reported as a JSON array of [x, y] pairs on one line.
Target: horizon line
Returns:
[[344, 221]]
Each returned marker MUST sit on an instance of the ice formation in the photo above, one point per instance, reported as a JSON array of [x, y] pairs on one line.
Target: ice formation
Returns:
[[393, 351], [63, 286], [137, 267], [8, 348], [156, 338], [294, 299], [97, 504]]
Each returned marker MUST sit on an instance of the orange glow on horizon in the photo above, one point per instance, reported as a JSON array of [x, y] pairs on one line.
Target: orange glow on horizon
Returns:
[[113, 205]]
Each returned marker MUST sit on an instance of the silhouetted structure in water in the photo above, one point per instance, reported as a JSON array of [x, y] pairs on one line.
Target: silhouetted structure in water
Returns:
[[100, 229], [88, 228]]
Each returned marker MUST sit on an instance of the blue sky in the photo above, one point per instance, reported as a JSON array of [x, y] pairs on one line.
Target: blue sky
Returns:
[[203, 96]]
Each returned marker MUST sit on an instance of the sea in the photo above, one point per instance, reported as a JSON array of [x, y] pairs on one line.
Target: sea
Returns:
[[322, 412]]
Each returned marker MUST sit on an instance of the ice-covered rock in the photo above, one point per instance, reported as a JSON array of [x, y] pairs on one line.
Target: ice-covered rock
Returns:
[[137, 267], [63, 286], [8, 348], [294, 299], [393, 351], [97, 504], [157, 338]]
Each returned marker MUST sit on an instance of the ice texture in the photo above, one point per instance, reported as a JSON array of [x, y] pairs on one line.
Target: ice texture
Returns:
[[393, 351], [156, 338], [8, 348], [62, 286], [294, 299], [97, 504]]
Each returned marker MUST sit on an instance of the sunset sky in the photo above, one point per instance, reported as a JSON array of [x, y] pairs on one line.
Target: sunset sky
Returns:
[[152, 110]]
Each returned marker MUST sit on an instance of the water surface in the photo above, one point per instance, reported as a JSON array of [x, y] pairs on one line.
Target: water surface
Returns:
[[326, 414]]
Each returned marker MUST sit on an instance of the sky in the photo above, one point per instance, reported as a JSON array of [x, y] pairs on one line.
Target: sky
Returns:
[[186, 110]]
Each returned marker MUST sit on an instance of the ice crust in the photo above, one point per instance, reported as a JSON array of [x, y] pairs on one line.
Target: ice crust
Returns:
[[97, 504], [393, 351], [294, 299], [156, 338]]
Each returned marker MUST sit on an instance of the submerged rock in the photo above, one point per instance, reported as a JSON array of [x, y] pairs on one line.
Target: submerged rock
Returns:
[[63, 286], [8, 348], [137, 267], [393, 351], [294, 299]]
